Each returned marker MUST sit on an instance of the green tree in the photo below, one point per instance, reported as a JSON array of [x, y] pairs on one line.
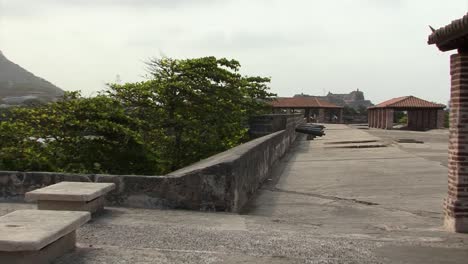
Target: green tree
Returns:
[[87, 135], [401, 117], [188, 110], [349, 111], [193, 108], [403, 120], [362, 110]]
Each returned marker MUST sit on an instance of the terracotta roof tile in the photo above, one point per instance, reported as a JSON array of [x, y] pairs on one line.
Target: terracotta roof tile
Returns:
[[407, 102], [301, 102], [452, 36]]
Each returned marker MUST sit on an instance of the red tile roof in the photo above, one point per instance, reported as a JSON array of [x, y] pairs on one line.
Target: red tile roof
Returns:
[[452, 36], [302, 102], [407, 102]]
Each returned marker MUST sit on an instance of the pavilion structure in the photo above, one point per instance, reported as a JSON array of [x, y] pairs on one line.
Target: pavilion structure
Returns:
[[422, 114], [313, 108], [455, 37]]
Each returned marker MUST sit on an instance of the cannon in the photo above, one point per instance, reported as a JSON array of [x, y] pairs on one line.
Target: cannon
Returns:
[[311, 129], [313, 126]]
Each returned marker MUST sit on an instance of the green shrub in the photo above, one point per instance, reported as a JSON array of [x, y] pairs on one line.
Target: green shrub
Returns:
[[403, 120]]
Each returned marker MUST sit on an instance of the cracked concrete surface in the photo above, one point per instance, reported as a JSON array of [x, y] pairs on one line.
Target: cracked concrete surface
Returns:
[[322, 205], [333, 198]]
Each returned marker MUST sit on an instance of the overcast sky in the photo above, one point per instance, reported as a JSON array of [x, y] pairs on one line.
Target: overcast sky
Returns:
[[309, 46]]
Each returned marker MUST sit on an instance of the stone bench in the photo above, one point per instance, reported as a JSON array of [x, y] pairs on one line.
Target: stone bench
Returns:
[[38, 236], [71, 196]]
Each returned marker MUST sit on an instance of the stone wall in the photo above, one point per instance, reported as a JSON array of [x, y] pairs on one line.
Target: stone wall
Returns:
[[267, 124], [223, 182]]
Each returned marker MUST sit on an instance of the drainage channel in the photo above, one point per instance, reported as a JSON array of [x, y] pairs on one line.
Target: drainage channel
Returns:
[[409, 140], [362, 146], [356, 144], [351, 142]]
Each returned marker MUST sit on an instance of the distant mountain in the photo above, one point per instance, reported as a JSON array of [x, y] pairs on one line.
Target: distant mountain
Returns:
[[17, 85]]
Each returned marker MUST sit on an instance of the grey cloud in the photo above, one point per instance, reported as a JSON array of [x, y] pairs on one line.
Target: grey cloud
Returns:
[[246, 40], [362, 41], [223, 41]]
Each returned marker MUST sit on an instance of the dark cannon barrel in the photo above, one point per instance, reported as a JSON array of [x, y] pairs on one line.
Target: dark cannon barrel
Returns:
[[315, 131], [313, 125]]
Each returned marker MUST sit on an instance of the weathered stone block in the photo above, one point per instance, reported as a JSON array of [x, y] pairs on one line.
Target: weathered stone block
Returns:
[[72, 196], [35, 236], [44, 256]]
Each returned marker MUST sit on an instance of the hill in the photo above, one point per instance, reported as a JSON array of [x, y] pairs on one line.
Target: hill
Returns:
[[18, 85]]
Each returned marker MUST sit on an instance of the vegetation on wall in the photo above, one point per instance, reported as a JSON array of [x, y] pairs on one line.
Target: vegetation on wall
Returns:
[[403, 120], [188, 110], [401, 117]]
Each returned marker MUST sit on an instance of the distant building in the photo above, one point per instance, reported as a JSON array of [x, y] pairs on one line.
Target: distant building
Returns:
[[354, 99], [313, 108], [422, 114]]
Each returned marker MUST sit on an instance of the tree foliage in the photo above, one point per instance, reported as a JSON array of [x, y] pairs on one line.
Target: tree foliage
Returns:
[[193, 108], [401, 117], [349, 111], [187, 110], [74, 135]]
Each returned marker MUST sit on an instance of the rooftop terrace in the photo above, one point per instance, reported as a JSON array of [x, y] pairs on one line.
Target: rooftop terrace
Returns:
[[354, 196]]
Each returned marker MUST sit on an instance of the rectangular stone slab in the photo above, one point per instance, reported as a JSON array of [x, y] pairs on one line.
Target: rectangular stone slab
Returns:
[[44, 256], [31, 230], [70, 191]]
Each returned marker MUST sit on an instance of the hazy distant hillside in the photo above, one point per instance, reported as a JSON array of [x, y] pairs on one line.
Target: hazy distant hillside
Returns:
[[18, 85]]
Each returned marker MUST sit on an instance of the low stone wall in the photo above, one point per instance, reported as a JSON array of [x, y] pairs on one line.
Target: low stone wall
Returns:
[[267, 124], [223, 182]]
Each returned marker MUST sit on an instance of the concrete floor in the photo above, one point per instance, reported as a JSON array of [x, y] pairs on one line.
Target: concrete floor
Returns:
[[434, 146], [367, 200]]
